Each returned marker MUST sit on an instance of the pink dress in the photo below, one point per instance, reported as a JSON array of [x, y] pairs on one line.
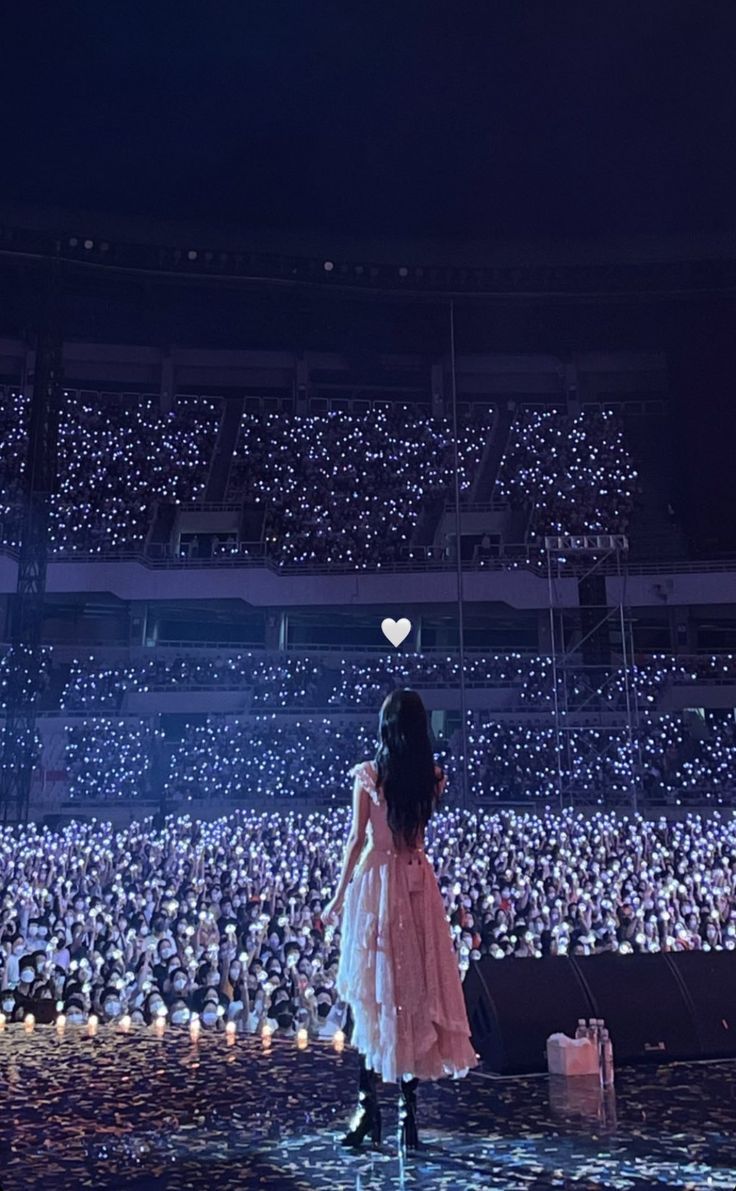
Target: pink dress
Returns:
[[398, 970]]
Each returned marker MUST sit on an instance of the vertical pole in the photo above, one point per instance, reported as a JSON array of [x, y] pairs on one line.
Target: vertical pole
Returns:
[[627, 691], [158, 774], [563, 679], [26, 605], [555, 695], [458, 561]]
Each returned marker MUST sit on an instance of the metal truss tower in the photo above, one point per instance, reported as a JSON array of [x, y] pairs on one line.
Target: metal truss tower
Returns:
[[593, 690], [24, 626]]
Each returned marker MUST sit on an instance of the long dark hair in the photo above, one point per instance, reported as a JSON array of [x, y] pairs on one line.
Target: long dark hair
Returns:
[[405, 768]]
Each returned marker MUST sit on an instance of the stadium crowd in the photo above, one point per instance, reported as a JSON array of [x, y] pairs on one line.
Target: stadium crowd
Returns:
[[602, 688], [13, 439], [362, 682], [574, 471], [280, 747], [328, 484], [286, 679], [331, 483], [669, 759], [112, 759], [221, 922], [291, 679], [270, 756], [116, 458], [272, 680], [30, 669], [217, 758]]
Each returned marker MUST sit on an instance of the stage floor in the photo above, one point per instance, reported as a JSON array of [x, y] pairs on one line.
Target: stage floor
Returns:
[[135, 1111]]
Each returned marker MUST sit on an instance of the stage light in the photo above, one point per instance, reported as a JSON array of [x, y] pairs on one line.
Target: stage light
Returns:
[[328, 266]]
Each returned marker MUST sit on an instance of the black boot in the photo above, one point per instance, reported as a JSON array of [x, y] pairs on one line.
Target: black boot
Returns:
[[367, 1117], [408, 1138]]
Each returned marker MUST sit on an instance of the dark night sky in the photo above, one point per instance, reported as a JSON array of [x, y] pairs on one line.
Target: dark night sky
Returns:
[[493, 119]]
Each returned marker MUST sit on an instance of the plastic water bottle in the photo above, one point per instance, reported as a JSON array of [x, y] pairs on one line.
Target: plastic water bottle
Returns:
[[582, 1030], [601, 1026], [606, 1060], [599, 1023]]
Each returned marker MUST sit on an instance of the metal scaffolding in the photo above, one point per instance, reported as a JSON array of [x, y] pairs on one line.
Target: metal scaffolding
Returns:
[[24, 629], [591, 648]]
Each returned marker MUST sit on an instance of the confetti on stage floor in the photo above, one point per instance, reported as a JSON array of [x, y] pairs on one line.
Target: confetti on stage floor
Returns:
[[136, 1111]]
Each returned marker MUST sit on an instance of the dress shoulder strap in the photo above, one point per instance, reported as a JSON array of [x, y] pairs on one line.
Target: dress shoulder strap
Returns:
[[365, 774]]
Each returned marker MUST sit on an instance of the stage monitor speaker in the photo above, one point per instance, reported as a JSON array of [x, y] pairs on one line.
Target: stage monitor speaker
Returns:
[[644, 1005], [514, 1005], [709, 982]]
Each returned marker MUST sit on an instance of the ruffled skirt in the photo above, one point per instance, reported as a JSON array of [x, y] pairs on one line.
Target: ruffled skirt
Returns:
[[398, 972]]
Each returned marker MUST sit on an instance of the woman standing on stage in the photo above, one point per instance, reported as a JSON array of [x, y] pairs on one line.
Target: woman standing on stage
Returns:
[[398, 970]]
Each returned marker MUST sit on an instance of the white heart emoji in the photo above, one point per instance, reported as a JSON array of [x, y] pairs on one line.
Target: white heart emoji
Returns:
[[396, 630]]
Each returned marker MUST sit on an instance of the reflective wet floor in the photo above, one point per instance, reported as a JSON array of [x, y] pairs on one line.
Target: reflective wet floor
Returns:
[[133, 1110]]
